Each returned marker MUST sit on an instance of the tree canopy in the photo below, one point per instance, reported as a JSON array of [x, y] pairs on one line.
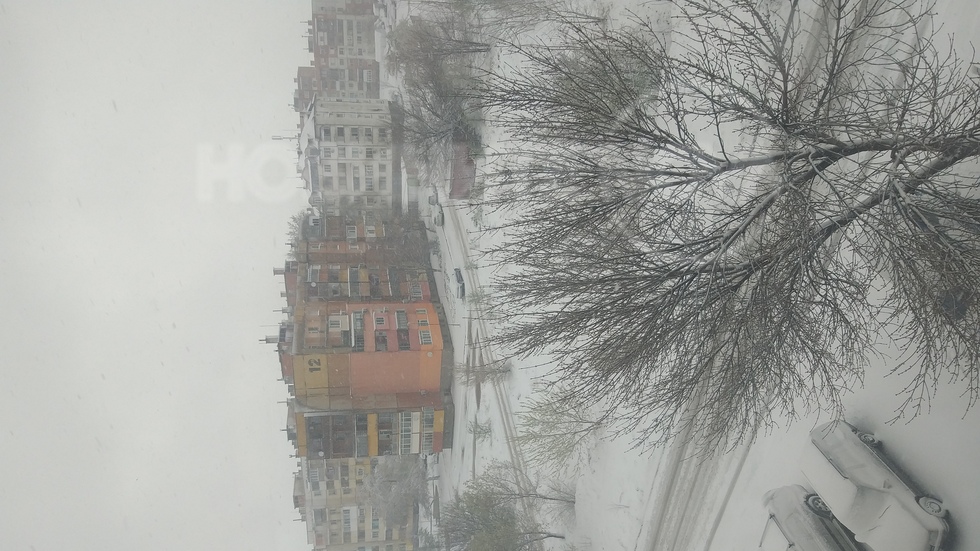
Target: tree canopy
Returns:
[[724, 211]]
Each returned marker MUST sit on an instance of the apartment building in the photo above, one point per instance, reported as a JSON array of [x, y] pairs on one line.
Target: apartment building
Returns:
[[330, 498], [347, 161]]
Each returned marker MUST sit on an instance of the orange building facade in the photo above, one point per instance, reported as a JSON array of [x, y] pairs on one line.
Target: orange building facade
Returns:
[[362, 350]]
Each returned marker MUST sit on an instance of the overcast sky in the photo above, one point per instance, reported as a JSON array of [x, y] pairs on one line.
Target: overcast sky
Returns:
[[138, 408]]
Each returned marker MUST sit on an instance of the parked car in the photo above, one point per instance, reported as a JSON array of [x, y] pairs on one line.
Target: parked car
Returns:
[[438, 217], [460, 284], [800, 521], [868, 494]]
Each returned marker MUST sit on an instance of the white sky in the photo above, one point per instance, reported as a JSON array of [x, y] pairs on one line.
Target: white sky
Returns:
[[138, 409]]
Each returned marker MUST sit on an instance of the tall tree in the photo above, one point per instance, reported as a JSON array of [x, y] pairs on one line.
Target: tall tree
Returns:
[[508, 482], [478, 520], [724, 211], [394, 486]]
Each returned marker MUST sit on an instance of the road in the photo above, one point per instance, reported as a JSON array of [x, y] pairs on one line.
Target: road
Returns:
[[470, 327]]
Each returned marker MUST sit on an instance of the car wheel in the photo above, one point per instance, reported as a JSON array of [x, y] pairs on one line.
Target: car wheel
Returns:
[[818, 506], [869, 440], [932, 506]]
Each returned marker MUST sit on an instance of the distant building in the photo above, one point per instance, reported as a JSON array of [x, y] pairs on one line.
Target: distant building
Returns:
[[345, 58], [362, 350], [329, 496], [347, 161], [307, 86]]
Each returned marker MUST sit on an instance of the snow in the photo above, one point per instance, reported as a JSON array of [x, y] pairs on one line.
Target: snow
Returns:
[[668, 498]]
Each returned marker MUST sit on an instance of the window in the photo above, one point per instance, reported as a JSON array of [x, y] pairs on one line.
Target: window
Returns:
[[425, 337], [382, 182], [369, 132], [423, 322], [340, 133], [351, 232], [421, 312], [369, 152], [369, 183], [328, 152], [370, 231], [405, 432], [342, 152], [384, 152], [383, 134], [379, 320], [328, 184], [325, 133]]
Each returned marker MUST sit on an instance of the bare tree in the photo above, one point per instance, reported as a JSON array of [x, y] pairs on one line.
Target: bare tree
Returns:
[[435, 55], [507, 482], [728, 209], [294, 230], [476, 520], [480, 431], [428, 540], [492, 372], [395, 484], [554, 425]]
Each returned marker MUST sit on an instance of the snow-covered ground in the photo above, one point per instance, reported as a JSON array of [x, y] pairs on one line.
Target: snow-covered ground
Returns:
[[666, 499]]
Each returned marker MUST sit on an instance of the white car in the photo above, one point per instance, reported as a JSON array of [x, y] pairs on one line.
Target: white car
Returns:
[[864, 491], [798, 521]]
